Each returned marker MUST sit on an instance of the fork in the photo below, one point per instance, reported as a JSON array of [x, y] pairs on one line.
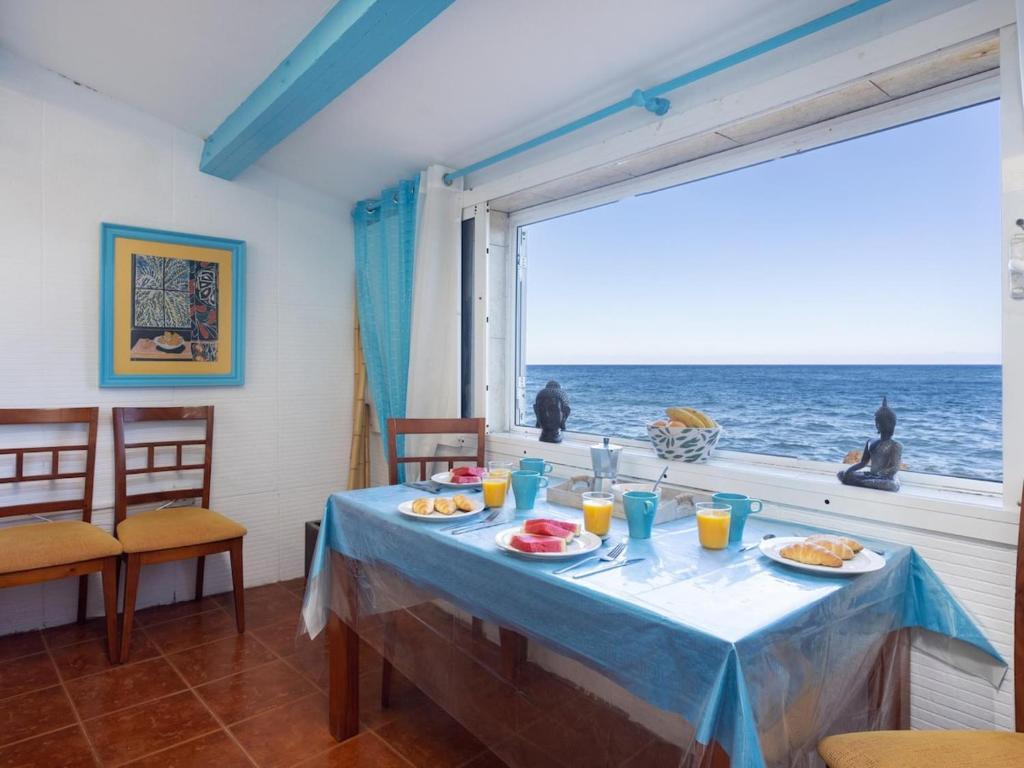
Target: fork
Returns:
[[466, 527], [608, 556]]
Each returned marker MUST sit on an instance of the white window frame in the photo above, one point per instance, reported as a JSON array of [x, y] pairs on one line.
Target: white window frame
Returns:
[[959, 506]]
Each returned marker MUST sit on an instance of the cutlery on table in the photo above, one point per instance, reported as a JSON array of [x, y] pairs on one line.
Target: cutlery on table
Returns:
[[612, 567], [608, 556], [767, 536], [461, 524], [471, 528], [423, 487]]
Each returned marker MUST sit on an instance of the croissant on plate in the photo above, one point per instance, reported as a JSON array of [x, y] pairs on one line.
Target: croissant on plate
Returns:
[[463, 503], [809, 553], [853, 544], [834, 544], [423, 506], [444, 505]]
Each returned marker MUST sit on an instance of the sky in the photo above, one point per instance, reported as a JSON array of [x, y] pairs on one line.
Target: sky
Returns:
[[885, 249]]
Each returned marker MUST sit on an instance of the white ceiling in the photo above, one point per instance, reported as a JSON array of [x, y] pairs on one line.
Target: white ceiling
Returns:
[[483, 75]]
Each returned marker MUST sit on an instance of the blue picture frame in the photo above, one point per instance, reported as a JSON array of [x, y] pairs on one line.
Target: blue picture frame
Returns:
[[109, 377]]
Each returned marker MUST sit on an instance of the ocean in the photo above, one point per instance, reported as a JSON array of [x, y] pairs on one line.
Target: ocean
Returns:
[[949, 416]]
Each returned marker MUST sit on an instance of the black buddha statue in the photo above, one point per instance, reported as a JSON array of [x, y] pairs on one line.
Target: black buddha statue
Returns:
[[552, 410], [880, 462]]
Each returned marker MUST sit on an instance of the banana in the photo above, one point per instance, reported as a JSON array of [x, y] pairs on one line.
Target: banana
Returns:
[[709, 423], [690, 417]]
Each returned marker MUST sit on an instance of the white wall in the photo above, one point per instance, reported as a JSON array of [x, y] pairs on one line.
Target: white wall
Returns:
[[70, 159]]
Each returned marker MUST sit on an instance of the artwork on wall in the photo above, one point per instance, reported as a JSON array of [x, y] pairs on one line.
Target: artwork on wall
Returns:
[[172, 309]]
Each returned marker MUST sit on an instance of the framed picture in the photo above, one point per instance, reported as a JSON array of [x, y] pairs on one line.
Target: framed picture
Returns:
[[172, 309]]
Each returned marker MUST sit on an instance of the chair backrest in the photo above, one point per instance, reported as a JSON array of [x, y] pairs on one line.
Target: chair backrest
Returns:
[[398, 427], [122, 416]]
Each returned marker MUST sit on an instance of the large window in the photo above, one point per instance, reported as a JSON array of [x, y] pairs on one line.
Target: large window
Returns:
[[785, 299]]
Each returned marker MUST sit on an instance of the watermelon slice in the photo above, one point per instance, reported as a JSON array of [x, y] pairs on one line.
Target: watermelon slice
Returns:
[[548, 528], [474, 472], [526, 542], [464, 479], [565, 525]]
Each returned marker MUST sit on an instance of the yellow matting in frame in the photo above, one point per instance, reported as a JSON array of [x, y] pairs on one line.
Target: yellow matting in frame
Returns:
[[124, 247]]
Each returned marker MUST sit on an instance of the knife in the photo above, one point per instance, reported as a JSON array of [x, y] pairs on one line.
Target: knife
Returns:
[[611, 567], [479, 521], [470, 529]]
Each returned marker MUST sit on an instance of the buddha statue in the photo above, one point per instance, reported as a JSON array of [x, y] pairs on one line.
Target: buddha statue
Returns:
[[552, 410], [880, 462]]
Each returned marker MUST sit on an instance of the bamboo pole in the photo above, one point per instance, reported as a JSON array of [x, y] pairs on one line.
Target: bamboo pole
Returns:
[[359, 454]]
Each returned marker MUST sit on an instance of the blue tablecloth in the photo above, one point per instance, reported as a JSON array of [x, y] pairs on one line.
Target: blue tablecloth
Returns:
[[729, 640]]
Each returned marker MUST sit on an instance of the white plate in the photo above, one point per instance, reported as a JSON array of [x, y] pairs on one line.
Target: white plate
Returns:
[[436, 517], [864, 561], [445, 479], [583, 544]]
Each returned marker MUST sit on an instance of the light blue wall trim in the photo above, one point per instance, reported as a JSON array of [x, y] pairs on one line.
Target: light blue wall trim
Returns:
[[108, 378], [351, 39]]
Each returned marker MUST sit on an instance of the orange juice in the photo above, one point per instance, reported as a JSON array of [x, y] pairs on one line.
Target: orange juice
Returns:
[[713, 525], [597, 513], [495, 486]]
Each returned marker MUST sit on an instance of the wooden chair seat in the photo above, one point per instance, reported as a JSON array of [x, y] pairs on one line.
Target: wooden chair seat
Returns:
[[42, 545], [923, 749], [175, 527]]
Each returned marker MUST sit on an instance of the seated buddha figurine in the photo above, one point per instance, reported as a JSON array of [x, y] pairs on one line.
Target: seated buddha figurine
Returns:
[[552, 410], [880, 462]]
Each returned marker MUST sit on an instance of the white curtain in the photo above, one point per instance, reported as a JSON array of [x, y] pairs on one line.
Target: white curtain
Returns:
[[435, 345]]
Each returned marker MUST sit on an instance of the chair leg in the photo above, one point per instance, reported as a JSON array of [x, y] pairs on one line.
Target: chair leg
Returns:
[[131, 588], [200, 568], [83, 596], [110, 606], [239, 584], [385, 684]]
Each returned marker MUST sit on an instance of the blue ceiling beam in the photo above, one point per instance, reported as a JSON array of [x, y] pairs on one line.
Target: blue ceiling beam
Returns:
[[351, 39]]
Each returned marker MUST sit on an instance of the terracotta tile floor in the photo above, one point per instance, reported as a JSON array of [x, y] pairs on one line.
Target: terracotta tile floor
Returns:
[[195, 693]]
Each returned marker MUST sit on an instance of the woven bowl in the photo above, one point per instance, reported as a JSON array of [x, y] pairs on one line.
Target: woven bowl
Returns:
[[684, 443]]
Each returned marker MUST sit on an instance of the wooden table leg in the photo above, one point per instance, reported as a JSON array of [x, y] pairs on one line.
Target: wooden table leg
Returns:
[[513, 653], [890, 682], [343, 650]]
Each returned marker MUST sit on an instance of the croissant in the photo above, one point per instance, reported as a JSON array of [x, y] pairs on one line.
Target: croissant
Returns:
[[835, 544], [463, 503], [853, 544], [423, 506], [444, 506], [810, 553]]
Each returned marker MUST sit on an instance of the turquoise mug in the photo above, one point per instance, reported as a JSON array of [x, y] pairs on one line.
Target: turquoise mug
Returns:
[[539, 466], [640, 507], [525, 484], [741, 507]]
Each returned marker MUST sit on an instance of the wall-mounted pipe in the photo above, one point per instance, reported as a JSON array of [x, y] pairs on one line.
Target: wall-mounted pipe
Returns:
[[651, 99]]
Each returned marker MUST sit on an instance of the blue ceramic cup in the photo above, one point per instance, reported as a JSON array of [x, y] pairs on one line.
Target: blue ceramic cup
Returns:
[[539, 466], [640, 507], [525, 485], [741, 507]]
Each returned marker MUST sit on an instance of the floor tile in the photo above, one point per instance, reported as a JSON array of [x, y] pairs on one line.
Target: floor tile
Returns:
[[405, 698], [87, 658], [295, 586], [657, 754], [177, 635], [29, 673], [215, 749], [282, 637], [491, 760], [31, 714], [288, 734], [67, 748], [21, 644], [312, 662], [135, 732], [220, 658], [254, 690], [268, 606], [123, 686], [364, 751], [429, 738], [69, 634], [158, 614]]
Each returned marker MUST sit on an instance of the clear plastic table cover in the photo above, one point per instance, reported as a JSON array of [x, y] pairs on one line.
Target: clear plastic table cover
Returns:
[[724, 646]]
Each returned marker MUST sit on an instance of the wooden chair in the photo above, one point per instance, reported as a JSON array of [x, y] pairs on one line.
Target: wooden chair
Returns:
[[398, 427], [170, 533], [943, 749], [46, 551]]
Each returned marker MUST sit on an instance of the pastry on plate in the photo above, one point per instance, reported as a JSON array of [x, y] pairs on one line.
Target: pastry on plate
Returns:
[[853, 544], [463, 503], [809, 553], [835, 544], [423, 506], [444, 506]]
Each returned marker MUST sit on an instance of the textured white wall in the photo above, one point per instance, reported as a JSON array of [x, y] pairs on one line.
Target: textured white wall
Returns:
[[70, 159]]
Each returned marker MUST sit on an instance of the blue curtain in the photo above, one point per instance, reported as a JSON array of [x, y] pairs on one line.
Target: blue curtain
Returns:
[[385, 231]]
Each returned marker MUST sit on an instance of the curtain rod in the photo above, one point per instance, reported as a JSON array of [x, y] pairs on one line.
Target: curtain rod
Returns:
[[651, 99]]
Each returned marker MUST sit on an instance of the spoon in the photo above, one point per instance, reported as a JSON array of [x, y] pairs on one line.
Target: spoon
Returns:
[[664, 474], [757, 543]]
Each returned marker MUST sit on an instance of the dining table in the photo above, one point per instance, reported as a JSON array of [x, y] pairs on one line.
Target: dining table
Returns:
[[729, 656]]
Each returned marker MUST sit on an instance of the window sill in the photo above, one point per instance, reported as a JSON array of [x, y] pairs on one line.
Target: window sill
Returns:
[[963, 512]]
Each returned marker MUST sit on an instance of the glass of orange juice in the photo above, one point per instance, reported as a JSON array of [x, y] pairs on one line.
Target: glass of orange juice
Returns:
[[495, 486], [713, 524], [597, 512]]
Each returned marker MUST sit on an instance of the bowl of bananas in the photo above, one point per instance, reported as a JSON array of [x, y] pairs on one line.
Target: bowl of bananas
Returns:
[[685, 434]]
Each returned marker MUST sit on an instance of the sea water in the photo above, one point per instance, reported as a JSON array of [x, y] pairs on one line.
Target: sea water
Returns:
[[949, 416]]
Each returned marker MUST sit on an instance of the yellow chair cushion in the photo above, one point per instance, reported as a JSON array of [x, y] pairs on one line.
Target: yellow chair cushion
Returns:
[[175, 527], [40, 545], [923, 749]]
